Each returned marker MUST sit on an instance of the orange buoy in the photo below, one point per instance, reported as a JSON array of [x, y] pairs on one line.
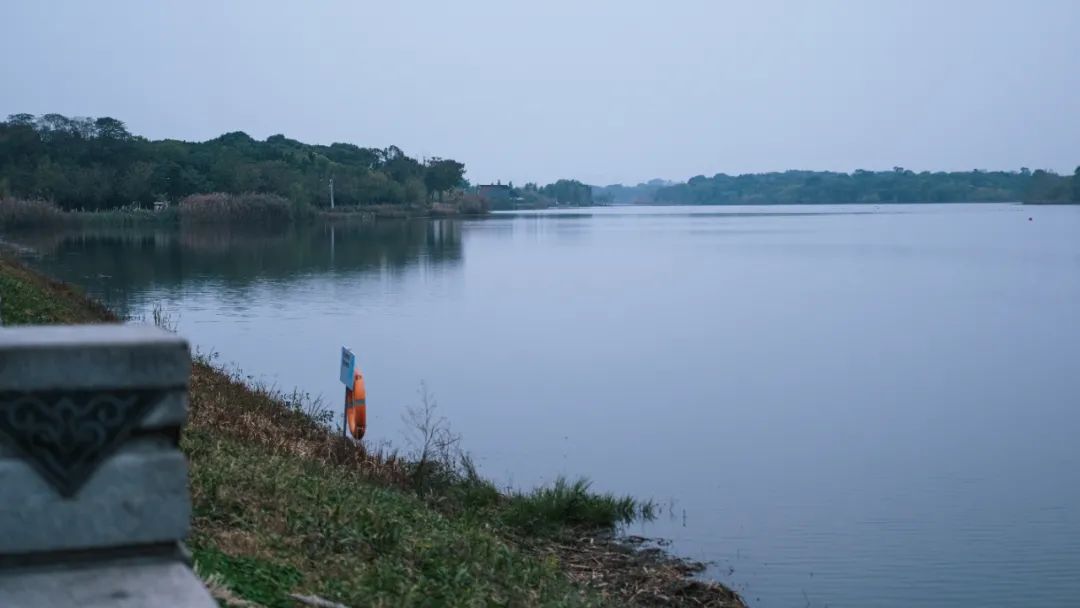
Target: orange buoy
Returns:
[[356, 406]]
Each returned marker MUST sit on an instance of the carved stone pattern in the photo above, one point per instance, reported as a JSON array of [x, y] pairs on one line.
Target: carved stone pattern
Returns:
[[66, 435]]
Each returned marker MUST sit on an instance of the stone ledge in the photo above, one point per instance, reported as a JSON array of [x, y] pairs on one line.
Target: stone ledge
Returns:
[[139, 495], [87, 357], [170, 412], [125, 584]]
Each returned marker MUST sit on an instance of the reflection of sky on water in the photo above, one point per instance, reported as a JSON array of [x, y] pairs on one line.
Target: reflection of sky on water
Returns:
[[836, 408]]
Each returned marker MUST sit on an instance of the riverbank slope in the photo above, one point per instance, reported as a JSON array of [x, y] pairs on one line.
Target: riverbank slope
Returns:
[[283, 505]]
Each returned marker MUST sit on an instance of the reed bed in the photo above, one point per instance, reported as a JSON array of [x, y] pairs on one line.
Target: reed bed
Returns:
[[21, 213], [250, 207]]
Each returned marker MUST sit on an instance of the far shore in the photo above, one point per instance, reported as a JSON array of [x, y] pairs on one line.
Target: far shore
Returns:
[[249, 208]]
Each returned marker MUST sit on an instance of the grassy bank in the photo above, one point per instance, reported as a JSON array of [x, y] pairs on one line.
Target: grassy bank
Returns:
[[282, 505]]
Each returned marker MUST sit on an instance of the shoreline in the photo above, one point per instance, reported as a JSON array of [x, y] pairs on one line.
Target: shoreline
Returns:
[[241, 437], [26, 213]]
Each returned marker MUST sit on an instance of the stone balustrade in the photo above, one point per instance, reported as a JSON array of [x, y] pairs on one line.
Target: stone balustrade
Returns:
[[94, 502]]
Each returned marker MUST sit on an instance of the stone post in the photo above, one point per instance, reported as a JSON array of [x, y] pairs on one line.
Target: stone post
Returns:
[[94, 502]]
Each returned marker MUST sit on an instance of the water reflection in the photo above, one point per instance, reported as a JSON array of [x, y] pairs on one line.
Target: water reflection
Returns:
[[834, 408], [116, 264]]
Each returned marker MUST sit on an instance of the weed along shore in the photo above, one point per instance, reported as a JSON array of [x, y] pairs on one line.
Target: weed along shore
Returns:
[[248, 209], [284, 507]]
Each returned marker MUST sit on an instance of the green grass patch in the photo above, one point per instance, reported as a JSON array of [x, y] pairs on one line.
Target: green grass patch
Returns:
[[23, 304], [252, 578], [260, 515], [571, 504], [27, 298]]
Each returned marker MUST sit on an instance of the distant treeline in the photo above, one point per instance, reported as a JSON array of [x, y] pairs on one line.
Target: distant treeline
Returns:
[[568, 191], [795, 187], [619, 194], [896, 186], [562, 192], [95, 163]]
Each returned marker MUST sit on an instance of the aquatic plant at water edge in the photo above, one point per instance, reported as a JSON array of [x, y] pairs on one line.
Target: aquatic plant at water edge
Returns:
[[250, 207]]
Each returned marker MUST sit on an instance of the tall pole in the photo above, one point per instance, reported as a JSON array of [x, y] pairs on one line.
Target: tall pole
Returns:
[[331, 191]]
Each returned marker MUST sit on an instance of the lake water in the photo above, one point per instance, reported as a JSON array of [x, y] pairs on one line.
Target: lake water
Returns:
[[842, 406]]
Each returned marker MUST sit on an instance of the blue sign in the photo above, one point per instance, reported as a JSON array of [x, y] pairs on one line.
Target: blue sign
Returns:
[[348, 364]]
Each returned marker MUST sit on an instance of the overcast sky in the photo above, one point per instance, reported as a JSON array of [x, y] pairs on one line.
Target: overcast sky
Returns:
[[600, 90]]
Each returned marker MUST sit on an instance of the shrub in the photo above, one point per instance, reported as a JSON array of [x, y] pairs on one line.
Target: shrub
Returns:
[[471, 204]]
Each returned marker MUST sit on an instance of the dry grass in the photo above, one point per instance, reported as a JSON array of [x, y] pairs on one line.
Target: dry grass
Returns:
[[223, 403], [625, 574], [248, 208], [220, 591], [19, 213]]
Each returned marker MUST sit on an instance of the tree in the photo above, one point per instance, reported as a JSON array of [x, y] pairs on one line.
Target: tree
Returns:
[[97, 162], [414, 190], [569, 191], [441, 175], [136, 185], [110, 128], [55, 123], [1047, 186], [399, 166], [21, 120], [83, 127], [1076, 185]]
